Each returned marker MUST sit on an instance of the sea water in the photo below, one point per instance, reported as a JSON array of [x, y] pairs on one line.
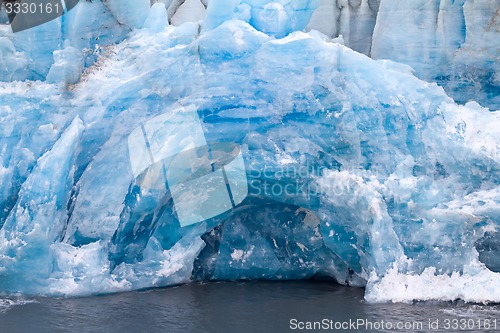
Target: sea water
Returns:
[[242, 307]]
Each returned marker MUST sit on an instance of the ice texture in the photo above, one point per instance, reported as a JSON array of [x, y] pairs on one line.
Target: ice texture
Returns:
[[357, 170], [454, 43]]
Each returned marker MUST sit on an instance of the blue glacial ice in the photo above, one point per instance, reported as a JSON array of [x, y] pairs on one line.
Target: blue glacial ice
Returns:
[[452, 42], [354, 169]]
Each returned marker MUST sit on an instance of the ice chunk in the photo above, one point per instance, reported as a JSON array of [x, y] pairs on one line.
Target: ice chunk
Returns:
[[67, 67], [219, 11], [478, 287], [157, 19], [276, 18], [39, 216]]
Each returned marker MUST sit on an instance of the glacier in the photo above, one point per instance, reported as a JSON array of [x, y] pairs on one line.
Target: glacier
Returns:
[[357, 170], [452, 42]]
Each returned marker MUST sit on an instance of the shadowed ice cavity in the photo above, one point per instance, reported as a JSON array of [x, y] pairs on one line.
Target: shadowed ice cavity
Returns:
[[172, 162]]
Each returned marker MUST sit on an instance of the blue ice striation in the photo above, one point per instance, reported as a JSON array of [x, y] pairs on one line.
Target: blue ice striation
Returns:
[[141, 146]]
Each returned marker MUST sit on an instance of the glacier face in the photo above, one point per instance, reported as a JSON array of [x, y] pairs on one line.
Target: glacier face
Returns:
[[452, 42], [357, 171]]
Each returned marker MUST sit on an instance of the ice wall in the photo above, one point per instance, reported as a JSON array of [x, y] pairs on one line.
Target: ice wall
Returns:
[[437, 38], [357, 170], [86, 28], [354, 20], [455, 43]]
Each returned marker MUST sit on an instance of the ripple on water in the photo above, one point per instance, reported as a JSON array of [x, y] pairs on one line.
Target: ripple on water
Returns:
[[6, 303]]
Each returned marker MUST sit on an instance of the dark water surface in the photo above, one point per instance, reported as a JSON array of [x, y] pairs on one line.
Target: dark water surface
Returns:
[[240, 307]]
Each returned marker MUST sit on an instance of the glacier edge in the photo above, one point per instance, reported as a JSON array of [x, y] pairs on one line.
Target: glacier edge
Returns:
[[390, 181]]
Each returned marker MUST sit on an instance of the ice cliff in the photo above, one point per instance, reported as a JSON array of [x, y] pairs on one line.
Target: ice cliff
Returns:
[[452, 42], [354, 169]]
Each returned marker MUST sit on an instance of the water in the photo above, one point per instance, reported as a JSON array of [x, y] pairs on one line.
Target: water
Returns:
[[236, 307]]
